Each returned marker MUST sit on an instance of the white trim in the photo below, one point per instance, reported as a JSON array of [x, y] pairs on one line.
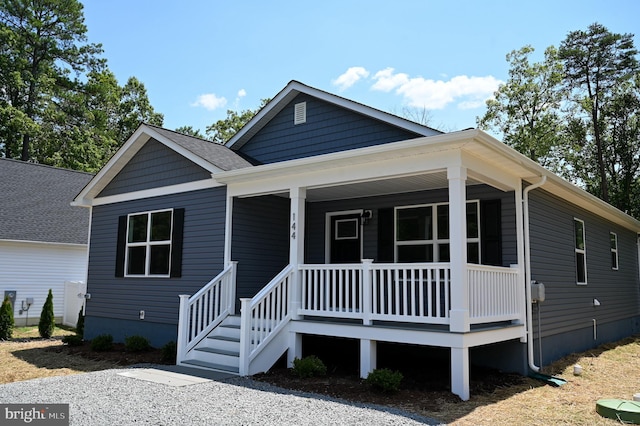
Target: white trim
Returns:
[[147, 245], [614, 250], [582, 251], [153, 192], [327, 231], [337, 237], [47, 243]]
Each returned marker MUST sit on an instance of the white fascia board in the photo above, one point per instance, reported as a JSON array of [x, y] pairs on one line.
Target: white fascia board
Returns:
[[120, 159], [156, 192], [294, 88], [45, 243]]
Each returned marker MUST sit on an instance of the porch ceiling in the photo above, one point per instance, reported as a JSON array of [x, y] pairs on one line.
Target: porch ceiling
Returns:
[[421, 182]]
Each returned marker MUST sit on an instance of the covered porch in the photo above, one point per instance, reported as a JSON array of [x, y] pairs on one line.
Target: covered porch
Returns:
[[430, 290]]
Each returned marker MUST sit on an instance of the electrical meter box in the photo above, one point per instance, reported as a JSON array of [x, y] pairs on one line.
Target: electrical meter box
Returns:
[[537, 291], [11, 294]]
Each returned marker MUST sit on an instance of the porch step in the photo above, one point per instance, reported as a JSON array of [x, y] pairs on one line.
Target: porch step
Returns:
[[220, 350]]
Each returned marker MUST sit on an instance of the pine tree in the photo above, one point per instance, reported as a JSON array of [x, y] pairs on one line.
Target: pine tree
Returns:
[[6, 319], [47, 320]]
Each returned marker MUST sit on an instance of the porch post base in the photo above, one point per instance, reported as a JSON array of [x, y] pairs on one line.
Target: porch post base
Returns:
[[460, 372], [459, 321], [295, 348], [368, 357]]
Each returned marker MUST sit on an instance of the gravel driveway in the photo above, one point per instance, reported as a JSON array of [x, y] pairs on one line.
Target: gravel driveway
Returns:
[[109, 398]]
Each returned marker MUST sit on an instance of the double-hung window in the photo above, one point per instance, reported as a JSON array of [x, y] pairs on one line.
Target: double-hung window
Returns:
[[148, 245], [581, 252], [613, 238], [422, 233]]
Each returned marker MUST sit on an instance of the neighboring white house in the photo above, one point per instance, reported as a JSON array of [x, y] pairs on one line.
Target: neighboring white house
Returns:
[[43, 240]]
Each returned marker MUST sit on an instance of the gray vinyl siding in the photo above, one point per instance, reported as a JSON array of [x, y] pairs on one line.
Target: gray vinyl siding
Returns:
[[260, 241], [203, 250], [328, 128], [568, 306], [316, 216], [154, 166]]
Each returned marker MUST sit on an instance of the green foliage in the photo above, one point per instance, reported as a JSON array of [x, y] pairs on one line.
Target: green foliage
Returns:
[[6, 319], [309, 366], [169, 352], [223, 130], [80, 324], [384, 380], [102, 343], [72, 340], [47, 320], [136, 344]]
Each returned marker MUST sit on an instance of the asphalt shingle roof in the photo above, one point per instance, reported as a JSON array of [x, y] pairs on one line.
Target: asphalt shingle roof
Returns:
[[35, 203]]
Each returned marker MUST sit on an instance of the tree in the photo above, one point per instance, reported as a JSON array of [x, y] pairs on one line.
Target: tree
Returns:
[[6, 319], [595, 62], [47, 319], [526, 109], [190, 131], [43, 45], [223, 130]]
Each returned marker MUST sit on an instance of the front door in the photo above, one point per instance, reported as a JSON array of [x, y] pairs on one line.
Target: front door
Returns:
[[345, 238]]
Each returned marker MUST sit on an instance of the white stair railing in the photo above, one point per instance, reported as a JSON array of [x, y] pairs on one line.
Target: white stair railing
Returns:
[[205, 310], [264, 316]]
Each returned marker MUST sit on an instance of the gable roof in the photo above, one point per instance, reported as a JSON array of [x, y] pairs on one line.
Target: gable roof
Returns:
[[294, 88], [36, 203], [206, 154]]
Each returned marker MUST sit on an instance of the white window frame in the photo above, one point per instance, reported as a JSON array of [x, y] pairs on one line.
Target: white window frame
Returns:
[[337, 237], [148, 244], [614, 250], [582, 251], [435, 241]]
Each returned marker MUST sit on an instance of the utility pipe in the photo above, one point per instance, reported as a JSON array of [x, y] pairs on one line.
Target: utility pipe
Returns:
[[527, 265]]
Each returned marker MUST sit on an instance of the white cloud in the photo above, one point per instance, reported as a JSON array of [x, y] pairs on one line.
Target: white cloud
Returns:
[[242, 93], [210, 101], [468, 92], [350, 77]]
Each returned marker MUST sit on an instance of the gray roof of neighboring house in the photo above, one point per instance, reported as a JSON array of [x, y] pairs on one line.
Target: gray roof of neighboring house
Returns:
[[216, 154], [36, 203]]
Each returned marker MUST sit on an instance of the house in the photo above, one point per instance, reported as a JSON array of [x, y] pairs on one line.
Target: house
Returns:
[[325, 217], [43, 239]]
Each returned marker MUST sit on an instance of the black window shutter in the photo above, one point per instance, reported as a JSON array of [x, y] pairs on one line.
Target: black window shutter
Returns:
[[385, 235], [176, 243], [121, 245], [491, 232]]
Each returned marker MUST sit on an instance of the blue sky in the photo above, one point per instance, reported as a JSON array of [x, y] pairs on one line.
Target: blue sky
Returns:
[[198, 58]]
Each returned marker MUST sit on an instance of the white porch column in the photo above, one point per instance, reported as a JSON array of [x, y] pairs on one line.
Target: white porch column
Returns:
[[228, 233], [459, 315], [295, 348], [460, 372], [368, 357], [298, 198], [521, 255]]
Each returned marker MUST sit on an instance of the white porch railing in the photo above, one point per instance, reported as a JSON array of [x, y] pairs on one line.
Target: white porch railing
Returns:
[[407, 292], [264, 316], [494, 294], [202, 312]]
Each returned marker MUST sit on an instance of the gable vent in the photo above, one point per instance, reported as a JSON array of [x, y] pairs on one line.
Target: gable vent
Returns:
[[300, 113]]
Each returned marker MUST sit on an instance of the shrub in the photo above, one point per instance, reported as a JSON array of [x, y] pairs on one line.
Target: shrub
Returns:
[[47, 320], [169, 352], [80, 324], [102, 343], [384, 380], [308, 367], [72, 340], [6, 319], [136, 344]]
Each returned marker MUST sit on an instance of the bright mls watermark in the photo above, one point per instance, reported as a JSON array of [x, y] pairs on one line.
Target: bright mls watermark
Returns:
[[34, 414]]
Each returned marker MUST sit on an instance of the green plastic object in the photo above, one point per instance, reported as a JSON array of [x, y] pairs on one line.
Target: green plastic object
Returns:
[[619, 409], [550, 380]]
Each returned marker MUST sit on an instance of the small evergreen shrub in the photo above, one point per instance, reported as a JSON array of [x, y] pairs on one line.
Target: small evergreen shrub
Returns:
[[72, 340], [384, 380], [80, 324], [47, 320], [308, 367], [169, 352], [102, 343], [6, 319], [136, 344]]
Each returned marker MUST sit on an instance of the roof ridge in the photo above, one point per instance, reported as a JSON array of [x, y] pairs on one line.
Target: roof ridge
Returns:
[[63, 169], [180, 134]]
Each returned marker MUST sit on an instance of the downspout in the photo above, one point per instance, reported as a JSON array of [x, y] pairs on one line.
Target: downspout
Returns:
[[527, 263]]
